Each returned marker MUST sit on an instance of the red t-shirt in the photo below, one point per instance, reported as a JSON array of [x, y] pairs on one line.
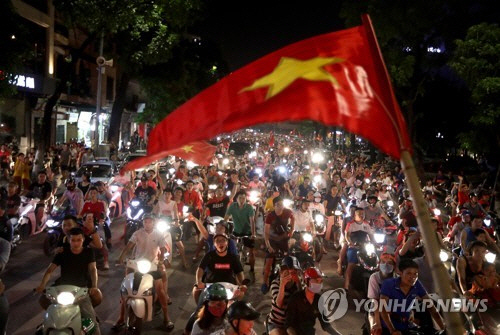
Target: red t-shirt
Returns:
[[463, 197], [96, 208]]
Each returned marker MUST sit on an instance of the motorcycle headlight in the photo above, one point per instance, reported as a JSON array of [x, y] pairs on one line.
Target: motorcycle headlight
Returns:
[[487, 222], [254, 196], [379, 237], [162, 226], [390, 203], [113, 188], [258, 171], [139, 213], [287, 203], [51, 223], [135, 203], [367, 180], [212, 187], [338, 213], [171, 171], [319, 218], [307, 237], [143, 266], [443, 256], [65, 298], [216, 219], [370, 248], [129, 213], [437, 211], [179, 182], [490, 257]]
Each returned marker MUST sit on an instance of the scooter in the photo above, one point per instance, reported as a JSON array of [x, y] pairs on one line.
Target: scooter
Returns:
[[63, 316], [27, 216], [135, 212], [303, 249], [53, 226], [137, 291], [163, 226]]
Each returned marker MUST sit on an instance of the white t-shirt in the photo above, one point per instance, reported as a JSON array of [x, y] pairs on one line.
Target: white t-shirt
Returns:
[[167, 209], [147, 245], [302, 220]]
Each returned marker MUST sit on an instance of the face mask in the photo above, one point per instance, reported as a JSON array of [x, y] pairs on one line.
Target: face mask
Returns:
[[315, 287], [386, 268], [216, 311]]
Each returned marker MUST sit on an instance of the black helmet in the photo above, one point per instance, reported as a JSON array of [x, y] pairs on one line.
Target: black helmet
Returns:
[[216, 292], [68, 181], [372, 196], [242, 310], [290, 262]]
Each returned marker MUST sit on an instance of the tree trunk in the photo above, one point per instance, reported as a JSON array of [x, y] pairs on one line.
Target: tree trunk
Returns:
[[116, 112], [66, 74]]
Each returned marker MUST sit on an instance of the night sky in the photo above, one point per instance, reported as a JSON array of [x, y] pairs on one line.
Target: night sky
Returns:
[[248, 30]]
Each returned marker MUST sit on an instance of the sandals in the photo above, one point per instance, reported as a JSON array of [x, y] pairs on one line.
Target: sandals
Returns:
[[169, 325]]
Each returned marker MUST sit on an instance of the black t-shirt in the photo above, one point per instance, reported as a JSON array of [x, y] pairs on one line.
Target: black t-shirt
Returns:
[[221, 268], [145, 194], [83, 188], [331, 203], [40, 191], [12, 202], [74, 268], [218, 208]]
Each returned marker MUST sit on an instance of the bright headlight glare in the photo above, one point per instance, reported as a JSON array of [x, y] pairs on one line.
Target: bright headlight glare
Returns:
[[65, 298], [185, 209], [390, 203], [287, 203], [379, 237], [258, 171], [437, 211], [338, 213], [228, 193], [162, 226], [212, 187], [282, 169], [135, 203], [143, 266], [369, 248], [51, 223], [443, 256], [490, 257], [367, 180], [317, 157], [307, 237], [319, 218], [171, 171], [179, 182], [487, 222], [317, 179], [225, 161]]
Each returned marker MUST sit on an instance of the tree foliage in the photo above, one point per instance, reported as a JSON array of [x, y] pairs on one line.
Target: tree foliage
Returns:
[[477, 61]]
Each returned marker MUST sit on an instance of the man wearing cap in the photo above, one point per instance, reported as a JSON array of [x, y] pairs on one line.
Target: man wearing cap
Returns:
[[387, 265], [218, 266], [221, 227], [241, 316], [303, 307], [282, 289], [459, 223]]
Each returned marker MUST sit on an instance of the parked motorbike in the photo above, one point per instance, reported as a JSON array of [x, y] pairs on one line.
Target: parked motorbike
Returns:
[[63, 316]]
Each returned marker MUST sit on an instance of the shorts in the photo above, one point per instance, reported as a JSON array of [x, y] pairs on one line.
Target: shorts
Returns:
[[352, 255], [271, 326], [176, 233], [278, 245], [247, 242]]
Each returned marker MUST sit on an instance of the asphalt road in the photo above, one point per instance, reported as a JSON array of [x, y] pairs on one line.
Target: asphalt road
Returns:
[[28, 263]]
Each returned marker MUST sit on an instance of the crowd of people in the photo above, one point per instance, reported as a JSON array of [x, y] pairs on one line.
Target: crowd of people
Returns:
[[259, 201]]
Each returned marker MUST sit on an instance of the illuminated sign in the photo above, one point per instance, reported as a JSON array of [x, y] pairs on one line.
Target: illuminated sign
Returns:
[[24, 81]]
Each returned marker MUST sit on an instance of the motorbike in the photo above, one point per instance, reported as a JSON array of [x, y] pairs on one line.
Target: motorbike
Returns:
[[303, 249], [135, 213], [63, 316], [320, 227], [53, 227], [119, 199], [137, 290], [163, 226], [27, 216]]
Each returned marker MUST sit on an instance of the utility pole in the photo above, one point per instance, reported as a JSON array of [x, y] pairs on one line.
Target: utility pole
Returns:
[[100, 66]]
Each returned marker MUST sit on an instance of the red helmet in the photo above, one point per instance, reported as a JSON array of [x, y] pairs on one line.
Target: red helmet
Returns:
[[312, 273]]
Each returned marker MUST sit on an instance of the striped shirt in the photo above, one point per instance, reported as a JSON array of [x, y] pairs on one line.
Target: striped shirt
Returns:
[[278, 314]]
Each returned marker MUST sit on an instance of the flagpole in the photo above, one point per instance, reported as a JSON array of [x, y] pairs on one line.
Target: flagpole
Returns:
[[439, 275]]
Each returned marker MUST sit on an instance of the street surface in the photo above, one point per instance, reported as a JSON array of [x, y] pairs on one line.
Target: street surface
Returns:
[[28, 263]]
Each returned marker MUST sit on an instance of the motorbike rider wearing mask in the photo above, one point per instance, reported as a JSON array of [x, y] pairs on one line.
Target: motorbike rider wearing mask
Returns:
[[241, 316], [211, 318], [303, 307], [387, 266]]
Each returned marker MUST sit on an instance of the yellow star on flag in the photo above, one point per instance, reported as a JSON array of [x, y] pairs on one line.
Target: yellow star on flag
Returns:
[[291, 69], [188, 148]]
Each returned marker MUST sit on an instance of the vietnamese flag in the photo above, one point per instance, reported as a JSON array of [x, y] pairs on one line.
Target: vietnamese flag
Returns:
[[338, 79]]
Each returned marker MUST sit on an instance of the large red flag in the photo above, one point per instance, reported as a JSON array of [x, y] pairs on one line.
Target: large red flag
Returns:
[[199, 152], [338, 79]]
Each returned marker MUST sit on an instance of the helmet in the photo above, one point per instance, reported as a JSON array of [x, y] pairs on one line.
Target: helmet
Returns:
[[223, 235], [242, 310], [216, 292], [69, 180], [472, 194], [290, 262], [465, 212], [312, 273]]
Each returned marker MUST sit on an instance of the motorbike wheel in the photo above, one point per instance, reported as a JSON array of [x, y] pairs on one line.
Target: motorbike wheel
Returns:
[[134, 324], [50, 244]]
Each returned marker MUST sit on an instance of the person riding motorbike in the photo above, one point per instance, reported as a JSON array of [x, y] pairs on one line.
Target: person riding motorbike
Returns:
[[99, 209], [73, 194], [276, 235], [211, 317], [471, 264]]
